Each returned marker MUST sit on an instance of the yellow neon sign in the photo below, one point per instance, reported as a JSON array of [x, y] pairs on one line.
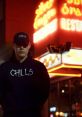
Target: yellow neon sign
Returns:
[[75, 2], [71, 8], [64, 66], [43, 7], [42, 21], [68, 9], [44, 14], [64, 74]]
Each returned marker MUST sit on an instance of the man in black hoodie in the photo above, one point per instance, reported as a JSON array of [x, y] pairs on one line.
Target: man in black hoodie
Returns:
[[24, 82]]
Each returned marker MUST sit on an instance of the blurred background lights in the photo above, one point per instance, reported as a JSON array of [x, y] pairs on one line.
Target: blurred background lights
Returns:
[[52, 109]]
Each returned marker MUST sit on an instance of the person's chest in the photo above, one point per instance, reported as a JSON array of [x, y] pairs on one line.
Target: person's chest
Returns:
[[22, 76]]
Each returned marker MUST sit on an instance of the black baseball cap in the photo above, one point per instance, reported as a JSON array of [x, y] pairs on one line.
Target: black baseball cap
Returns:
[[21, 39]]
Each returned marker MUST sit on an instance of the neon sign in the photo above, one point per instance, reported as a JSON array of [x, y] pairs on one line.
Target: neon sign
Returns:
[[50, 60], [71, 24], [42, 21], [44, 13], [71, 8], [75, 2], [45, 22], [73, 57], [45, 31]]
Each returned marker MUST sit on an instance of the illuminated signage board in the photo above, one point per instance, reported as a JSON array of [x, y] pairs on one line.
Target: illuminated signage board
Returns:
[[45, 31], [72, 7], [70, 59], [74, 57], [71, 24], [44, 13], [50, 60], [71, 19], [45, 21]]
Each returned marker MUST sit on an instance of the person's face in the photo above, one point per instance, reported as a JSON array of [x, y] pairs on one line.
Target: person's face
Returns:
[[21, 51]]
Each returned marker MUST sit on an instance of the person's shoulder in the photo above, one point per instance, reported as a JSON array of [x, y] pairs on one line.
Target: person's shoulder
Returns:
[[39, 64], [4, 64]]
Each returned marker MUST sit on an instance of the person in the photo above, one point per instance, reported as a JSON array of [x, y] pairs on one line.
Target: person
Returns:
[[24, 81]]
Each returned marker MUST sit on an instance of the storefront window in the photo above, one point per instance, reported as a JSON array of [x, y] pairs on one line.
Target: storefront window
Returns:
[[65, 99]]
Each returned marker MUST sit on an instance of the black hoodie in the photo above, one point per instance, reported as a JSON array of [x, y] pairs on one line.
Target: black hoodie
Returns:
[[23, 86]]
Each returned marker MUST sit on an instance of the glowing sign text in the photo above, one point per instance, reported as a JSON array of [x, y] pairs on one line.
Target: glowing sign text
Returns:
[[68, 8], [43, 7], [45, 31], [44, 14], [71, 24], [71, 8], [75, 2]]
